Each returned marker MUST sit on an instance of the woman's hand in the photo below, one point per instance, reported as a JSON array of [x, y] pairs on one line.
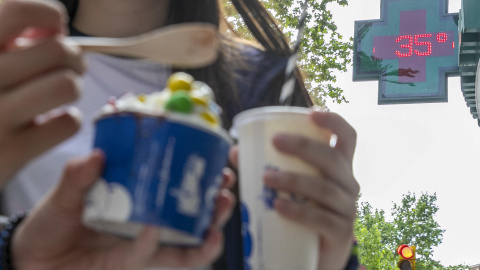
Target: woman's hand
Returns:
[[52, 237], [33, 81], [333, 211]]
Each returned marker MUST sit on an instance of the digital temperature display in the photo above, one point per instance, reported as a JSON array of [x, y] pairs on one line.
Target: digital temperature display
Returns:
[[420, 40], [411, 50]]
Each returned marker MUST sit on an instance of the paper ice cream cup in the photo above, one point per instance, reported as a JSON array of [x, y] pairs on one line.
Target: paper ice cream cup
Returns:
[[160, 170]]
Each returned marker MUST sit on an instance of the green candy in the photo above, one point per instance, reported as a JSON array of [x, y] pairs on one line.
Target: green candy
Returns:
[[180, 101]]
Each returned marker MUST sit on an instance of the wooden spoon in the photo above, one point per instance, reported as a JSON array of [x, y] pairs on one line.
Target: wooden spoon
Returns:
[[186, 45]]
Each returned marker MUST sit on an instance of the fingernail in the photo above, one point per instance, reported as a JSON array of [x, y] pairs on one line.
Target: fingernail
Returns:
[[333, 140], [97, 152], [75, 113]]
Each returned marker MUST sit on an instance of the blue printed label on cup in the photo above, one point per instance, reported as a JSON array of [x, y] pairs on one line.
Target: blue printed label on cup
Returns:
[[269, 195], [248, 244]]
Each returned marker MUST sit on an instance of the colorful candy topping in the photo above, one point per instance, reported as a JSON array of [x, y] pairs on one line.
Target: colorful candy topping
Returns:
[[182, 95]]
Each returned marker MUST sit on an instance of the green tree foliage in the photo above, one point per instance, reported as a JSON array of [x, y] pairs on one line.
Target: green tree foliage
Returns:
[[323, 52], [413, 224]]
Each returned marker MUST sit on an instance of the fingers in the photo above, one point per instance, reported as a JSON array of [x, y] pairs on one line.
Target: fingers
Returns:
[[328, 161], [39, 97], [335, 232], [190, 257], [229, 178], [233, 156], [209, 251], [68, 196], [147, 252], [211, 248], [332, 228], [143, 249], [49, 55], [332, 193], [319, 191], [35, 139], [224, 207], [346, 135], [332, 163], [17, 16], [34, 81]]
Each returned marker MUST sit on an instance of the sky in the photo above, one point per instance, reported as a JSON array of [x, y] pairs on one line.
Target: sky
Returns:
[[420, 148]]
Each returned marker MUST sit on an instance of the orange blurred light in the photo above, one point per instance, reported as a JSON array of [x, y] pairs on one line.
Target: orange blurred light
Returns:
[[405, 251], [399, 249]]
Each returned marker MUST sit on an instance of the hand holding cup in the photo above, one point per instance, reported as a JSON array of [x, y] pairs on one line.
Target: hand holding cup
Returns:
[[53, 237], [328, 185], [34, 81]]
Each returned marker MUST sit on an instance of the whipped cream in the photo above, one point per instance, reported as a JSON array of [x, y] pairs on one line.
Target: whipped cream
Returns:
[[183, 98]]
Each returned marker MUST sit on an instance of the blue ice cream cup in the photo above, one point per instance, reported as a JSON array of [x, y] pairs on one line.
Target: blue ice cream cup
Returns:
[[160, 170]]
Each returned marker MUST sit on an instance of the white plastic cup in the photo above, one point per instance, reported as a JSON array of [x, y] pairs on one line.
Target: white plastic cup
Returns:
[[272, 242]]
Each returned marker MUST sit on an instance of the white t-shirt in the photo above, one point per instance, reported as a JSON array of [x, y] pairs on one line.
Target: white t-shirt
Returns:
[[106, 76]]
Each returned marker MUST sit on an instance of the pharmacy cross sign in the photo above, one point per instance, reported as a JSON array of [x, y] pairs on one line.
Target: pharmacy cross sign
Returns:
[[411, 50]]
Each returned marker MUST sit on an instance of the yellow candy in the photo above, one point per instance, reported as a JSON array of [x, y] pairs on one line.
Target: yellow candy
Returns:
[[142, 98], [199, 100], [210, 117], [180, 81]]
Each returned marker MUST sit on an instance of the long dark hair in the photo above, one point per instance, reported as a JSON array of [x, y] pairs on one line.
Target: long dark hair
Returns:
[[220, 75]]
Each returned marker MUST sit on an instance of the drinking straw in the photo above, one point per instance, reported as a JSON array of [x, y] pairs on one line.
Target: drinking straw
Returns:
[[289, 83]]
